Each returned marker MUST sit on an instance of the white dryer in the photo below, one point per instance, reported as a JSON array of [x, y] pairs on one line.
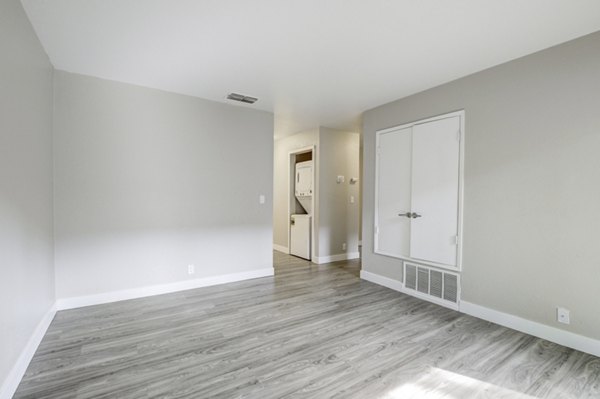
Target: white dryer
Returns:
[[303, 185]]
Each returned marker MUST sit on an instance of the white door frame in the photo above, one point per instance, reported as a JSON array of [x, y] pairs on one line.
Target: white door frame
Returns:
[[461, 186], [292, 197]]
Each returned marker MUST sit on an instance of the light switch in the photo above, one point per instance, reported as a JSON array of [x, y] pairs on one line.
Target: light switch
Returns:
[[340, 179]]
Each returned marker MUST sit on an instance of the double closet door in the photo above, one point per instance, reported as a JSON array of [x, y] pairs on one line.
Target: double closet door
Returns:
[[418, 191]]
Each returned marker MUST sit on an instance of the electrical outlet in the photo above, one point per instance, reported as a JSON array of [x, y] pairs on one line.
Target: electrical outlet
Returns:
[[261, 199], [352, 199], [343, 246], [191, 269], [562, 315]]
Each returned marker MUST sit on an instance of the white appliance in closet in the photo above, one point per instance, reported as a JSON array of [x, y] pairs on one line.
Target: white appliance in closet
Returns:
[[419, 193], [300, 224], [300, 236]]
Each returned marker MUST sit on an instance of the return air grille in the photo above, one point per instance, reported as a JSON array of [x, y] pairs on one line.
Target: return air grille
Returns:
[[423, 280], [450, 287], [436, 285], [242, 98], [431, 282], [411, 277]]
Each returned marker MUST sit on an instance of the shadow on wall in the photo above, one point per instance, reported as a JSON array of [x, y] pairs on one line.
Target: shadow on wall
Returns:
[[89, 264]]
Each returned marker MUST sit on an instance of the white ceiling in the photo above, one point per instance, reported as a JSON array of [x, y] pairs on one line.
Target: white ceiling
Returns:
[[311, 62]]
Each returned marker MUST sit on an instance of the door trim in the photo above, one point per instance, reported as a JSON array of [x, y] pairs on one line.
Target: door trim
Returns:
[[291, 197], [461, 185]]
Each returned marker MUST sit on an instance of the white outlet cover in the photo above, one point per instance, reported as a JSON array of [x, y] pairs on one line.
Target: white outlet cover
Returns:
[[563, 315], [261, 199], [191, 269]]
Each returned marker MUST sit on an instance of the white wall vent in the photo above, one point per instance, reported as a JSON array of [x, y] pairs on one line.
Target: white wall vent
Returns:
[[434, 285]]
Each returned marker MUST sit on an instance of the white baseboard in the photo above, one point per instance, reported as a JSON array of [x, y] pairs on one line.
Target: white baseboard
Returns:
[[11, 383], [381, 280], [281, 248], [334, 258], [114, 296], [549, 333]]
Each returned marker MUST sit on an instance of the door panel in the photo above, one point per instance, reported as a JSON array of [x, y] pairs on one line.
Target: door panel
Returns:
[[300, 236], [435, 185], [393, 196]]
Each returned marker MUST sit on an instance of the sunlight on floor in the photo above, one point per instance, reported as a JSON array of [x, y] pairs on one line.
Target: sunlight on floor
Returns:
[[437, 383]]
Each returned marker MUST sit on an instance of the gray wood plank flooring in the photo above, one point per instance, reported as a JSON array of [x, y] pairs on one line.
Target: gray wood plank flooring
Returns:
[[309, 332]]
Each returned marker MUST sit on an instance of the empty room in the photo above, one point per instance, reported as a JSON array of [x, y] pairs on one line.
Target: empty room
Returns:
[[299, 199]]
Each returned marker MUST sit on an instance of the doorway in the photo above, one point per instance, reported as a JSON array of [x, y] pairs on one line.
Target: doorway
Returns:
[[302, 213]]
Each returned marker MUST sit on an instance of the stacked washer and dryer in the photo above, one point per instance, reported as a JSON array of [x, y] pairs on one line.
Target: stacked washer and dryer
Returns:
[[300, 223]]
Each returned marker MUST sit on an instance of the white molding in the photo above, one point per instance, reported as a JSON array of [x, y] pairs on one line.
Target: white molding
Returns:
[[381, 280], [452, 114], [12, 381], [422, 262], [549, 333], [314, 232], [335, 258], [432, 299], [461, 185], [281, 248], [114, 296]]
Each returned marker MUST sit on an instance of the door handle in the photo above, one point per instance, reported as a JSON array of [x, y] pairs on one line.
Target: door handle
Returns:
[[410, 215]]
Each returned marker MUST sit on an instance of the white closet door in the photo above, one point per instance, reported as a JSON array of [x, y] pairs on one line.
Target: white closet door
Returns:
[[393, 193], [435, 185]]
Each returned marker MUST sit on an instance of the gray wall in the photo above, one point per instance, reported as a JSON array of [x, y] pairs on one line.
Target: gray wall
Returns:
[[26, 243], [338, 218], [147, 182], [532, 189]]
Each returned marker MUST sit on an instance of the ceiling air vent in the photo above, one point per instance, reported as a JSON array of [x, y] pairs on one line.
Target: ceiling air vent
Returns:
[[242, 98]]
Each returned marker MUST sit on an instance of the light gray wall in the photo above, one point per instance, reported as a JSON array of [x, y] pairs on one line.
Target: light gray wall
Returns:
[[283, 147], [26, 242], [147, 182], [532, 189], [338, 218]]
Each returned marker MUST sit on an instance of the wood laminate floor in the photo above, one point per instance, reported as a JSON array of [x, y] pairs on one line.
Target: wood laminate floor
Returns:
[[309, 332]]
